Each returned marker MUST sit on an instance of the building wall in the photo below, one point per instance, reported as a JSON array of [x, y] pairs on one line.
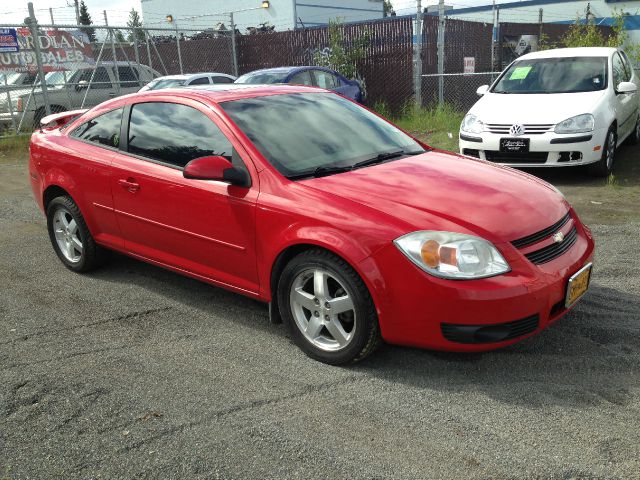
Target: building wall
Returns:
[[311, 13], [283, 14], [280, 13], [556, 11]]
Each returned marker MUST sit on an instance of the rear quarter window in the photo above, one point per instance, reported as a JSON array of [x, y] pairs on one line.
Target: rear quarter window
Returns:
[[103, 129]]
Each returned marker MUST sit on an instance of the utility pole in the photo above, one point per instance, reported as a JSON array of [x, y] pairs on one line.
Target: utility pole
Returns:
[[540, 25], [417, 57], [233, 45], [33, 26], [441, 26], [77, 5], [493, 38], [51, 15]]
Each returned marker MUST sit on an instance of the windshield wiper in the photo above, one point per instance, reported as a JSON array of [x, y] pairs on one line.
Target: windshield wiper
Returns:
[[383, 157], [324, 171], [320, 172]]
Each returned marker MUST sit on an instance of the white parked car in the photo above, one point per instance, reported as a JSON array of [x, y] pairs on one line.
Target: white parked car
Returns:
[[568, 106], [172, 81]]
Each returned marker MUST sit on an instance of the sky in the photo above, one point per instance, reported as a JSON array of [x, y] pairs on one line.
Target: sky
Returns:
[[117, 10]]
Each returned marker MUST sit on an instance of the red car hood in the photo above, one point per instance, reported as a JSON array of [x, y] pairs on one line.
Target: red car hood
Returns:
[[439, 190]]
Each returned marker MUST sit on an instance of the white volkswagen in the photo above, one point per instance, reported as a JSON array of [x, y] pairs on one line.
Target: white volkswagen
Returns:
[[568, 106]]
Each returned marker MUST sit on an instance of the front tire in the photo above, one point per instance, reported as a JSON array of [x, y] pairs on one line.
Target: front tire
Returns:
[[327, 308], [70, 237], [603, 167]]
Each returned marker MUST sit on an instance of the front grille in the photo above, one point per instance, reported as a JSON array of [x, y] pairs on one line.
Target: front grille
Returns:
[[507, 157], [529, 129], [554, 250], [497, 332], [542, 234]]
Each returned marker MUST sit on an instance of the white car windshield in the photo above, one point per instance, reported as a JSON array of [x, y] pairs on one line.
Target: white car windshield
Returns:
[[167, 83], [554, 75]]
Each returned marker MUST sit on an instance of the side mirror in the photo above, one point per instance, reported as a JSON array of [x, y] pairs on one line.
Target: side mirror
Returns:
[[626, 87], [216, 168], [482, 89], [82, 84]]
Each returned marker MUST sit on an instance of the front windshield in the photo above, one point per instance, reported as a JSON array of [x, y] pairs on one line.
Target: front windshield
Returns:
[[554, 75], [302, 132], [57, 79], [168, 83], [262, 78], [9, 78]]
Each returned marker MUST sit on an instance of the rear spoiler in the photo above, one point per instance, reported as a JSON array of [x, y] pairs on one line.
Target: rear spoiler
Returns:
[[58, 120]]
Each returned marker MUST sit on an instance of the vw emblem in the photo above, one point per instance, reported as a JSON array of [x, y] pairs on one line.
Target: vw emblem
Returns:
[[516, 130], [558, 237]]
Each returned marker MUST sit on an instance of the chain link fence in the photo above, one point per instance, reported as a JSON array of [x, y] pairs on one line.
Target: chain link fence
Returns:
[[85, 65]]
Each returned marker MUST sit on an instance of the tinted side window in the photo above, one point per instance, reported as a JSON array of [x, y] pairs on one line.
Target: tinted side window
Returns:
[[218, 79], [302, 78], [325, 79], [103, 129], [619, 72], [29, 78], [627, 66], [100, 79], [174, 134], [128, 77], [200, 81]]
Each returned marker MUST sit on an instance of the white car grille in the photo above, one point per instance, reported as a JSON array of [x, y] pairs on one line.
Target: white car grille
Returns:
[[529, 128]]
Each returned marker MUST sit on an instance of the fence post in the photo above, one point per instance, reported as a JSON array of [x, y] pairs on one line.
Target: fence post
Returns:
[[113, 51], [33, 26], [13, 120], [417, 57], [233, 45], [146, 39], [178, 44], [441, 27]]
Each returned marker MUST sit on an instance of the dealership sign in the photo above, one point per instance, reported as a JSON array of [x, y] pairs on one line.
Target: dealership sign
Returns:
[[8, 40], [59, 50]]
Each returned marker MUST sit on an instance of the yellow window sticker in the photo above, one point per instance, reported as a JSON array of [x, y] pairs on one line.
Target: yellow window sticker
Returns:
[[520, 73]]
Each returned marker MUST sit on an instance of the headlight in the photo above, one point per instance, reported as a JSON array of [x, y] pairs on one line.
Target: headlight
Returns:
[[578, 124], [472, 124], [452, 255]]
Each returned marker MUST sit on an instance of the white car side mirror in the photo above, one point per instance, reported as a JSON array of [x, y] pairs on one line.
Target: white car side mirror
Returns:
[[482, 90], [626, 87]]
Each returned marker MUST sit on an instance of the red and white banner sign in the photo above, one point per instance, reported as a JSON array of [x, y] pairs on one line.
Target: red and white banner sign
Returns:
[[59, 50]]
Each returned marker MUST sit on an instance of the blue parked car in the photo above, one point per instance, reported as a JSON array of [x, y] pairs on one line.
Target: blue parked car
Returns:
[[314, 76]]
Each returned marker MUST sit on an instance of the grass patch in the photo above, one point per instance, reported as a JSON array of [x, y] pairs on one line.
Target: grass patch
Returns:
[[438, 126], [14, 147]]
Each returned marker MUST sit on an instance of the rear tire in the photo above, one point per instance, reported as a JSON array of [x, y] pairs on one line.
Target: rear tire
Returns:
[[70, 237], [327, 308], [603, 167]]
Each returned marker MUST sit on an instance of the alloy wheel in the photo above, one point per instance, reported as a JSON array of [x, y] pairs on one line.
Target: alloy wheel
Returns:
[[611, 149], [323, 310], [67, 235]]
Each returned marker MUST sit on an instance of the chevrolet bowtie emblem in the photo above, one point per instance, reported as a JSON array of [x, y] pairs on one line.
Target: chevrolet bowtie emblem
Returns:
[[558, 237]]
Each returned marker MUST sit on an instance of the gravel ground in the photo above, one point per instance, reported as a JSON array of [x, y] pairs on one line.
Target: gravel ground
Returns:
[[135, 372]]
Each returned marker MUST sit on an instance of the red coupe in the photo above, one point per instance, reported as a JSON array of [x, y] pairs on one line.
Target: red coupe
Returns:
[[351, 229]]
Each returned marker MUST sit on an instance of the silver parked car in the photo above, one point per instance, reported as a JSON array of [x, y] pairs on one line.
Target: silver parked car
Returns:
[[69, 90], [172, 81]]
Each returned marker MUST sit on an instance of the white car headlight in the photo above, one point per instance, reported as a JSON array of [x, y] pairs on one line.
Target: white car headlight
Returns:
[[578, 124], [452, 255], [472, 124]]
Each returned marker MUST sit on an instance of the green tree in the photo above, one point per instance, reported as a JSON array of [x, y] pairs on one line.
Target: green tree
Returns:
[[135, 24], [342, 56], [85, 19], [387, 9], [120, 37]]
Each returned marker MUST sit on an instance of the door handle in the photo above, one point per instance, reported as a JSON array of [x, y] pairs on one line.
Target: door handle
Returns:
[[129, 184]]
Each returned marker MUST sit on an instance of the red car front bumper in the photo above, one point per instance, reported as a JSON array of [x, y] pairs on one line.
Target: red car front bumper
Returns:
[[420, 310]]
